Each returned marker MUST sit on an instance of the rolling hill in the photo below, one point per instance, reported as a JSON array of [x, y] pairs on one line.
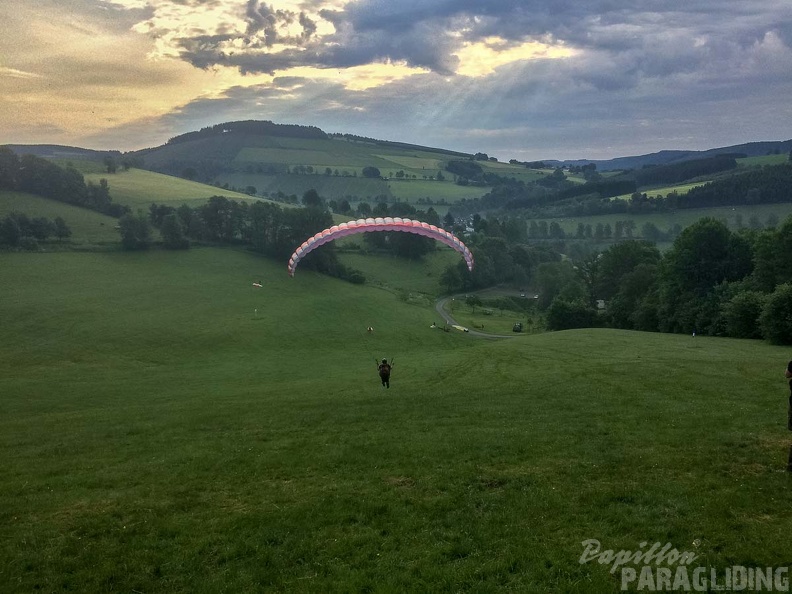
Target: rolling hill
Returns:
[[748, 149], [278, 160]]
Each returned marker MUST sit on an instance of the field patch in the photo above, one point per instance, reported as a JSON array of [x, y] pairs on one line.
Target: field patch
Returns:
[[414, 163], [733, 216], [138, 188], [87, 226]]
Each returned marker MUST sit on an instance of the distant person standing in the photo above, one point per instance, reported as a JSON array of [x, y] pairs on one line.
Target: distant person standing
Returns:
[[384, 370]]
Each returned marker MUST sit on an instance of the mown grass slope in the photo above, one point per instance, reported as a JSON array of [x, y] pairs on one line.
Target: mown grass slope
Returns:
[[159, 434], [138, 189]]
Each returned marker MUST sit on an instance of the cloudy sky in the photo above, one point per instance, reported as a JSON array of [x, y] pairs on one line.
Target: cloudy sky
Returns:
[[524, 79]]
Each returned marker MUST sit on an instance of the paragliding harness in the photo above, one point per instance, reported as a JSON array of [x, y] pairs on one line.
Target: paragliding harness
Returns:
[[384, 369]]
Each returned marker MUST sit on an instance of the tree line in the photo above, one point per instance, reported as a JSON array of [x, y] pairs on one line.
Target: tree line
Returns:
[[554, 196], [20, 231], [44, 178], [263, 227], [253, 127], [269, 229]]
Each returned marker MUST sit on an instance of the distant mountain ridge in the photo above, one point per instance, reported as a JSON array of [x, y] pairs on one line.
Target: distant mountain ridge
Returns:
[[204, 138], [665, 157], [57, 151]]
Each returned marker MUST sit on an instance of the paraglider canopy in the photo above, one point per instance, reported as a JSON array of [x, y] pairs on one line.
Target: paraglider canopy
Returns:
[[379, 224]]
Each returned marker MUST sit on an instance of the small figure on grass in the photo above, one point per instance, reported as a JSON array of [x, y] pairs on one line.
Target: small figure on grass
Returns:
[[384, 370]]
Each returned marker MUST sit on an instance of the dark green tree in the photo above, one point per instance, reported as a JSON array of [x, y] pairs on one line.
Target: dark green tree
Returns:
[[135, 231], [704, 256], [623, 309], [311, 199], [473, 301], [10, 233], [110, 164], [618, 260], [451, 279], [742, 314], [62, 230], [775, 321], [173, 233], [564, 314], [557, 278], [42, 228], [9, 169]]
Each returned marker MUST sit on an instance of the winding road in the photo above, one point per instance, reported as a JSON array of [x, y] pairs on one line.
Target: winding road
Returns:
[[440, 308]]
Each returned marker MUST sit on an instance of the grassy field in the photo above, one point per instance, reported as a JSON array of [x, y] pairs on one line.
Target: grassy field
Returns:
[[665, 221], [665, 190], [167, 427], [764, 160], [342, 154], [493, 320], [138, 188], [414, 189], [335, 188], [329, 187], [405, 276], [87, 226]]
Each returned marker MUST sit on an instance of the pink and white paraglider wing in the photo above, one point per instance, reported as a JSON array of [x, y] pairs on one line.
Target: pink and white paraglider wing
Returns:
[[379, 224]]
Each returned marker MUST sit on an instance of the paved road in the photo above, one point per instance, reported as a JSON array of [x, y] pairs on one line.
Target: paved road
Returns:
[[439, 307]]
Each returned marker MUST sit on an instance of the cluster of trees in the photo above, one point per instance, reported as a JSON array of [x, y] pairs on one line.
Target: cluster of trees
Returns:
[[18, 230], [499, 259], [603, 231], [400, 145], [263, 227], [712, 281], [555, 196], [588, 171], [404, 245], [674, 173], [269, 229], [42, 177], [529, 164], [253, 127]]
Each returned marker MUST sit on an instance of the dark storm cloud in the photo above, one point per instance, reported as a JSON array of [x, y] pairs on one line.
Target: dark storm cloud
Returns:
[[645, 74], [264, 20], [650, 39]]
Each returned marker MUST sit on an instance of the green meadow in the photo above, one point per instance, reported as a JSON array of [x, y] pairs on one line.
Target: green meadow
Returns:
[[763, 160], [493, 320], [732, 215], [138, 189], [665, 190], [87, 226], [401, 275], [167, 427]]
